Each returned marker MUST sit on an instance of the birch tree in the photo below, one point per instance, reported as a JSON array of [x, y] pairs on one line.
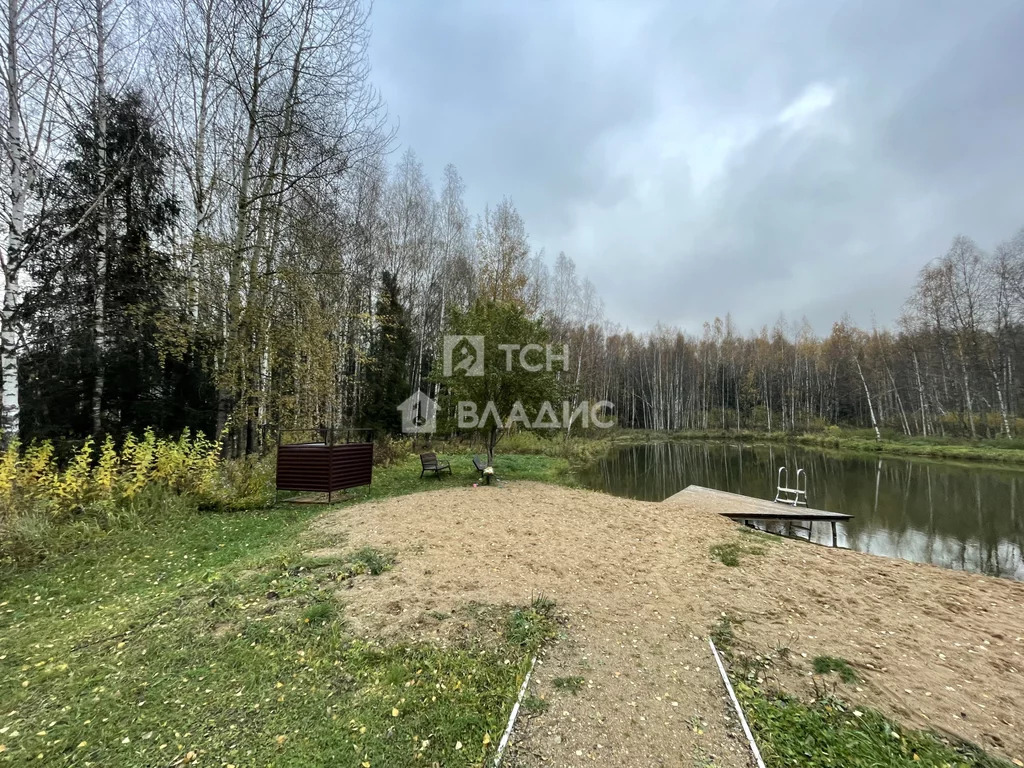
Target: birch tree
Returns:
[[503, 251], [36, 72]]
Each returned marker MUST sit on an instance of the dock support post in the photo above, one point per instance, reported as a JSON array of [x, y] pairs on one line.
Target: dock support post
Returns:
[[834, 539]]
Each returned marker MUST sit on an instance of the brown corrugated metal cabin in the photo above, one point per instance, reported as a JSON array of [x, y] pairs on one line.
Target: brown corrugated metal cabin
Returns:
[[324, 467]]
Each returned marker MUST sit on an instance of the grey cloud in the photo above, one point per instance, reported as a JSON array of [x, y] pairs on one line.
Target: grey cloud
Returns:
[[643, 138]]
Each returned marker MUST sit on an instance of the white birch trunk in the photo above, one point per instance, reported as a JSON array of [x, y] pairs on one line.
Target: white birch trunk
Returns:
[[920, 395], [99, 298], [10, 425], [200, 188], [867, 393], [10, 400], [967, 397], [899, 400], [1002, 402]]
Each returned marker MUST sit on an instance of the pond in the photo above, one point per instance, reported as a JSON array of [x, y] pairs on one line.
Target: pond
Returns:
[[952, 515]]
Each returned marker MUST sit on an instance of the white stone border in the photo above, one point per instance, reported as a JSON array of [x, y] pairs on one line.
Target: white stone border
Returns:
[[736, 704], [512, 716]]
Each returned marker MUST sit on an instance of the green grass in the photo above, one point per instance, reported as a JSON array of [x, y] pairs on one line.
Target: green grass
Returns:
[[727, 554], [730, 553], [823, 665], [723, 634], [535, 705], [573, 684], [759, 535], [531, 626], [403, 476], [213, 634], [830, 733], [319, 613], [579, 449], [373, 561]]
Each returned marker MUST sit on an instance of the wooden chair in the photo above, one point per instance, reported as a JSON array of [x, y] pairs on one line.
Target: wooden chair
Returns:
[[430, 463]]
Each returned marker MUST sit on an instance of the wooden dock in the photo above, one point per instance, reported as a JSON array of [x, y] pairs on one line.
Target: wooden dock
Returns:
[[744, 508]]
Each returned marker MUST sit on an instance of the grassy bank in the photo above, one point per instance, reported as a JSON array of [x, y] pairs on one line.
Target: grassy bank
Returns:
[[211, 638], [403, 476], [828, 731], [850, 441], [584, 448], [832, 733], [575, 451]]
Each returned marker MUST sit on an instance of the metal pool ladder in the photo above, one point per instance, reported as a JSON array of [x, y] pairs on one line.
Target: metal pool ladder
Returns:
[[792, 496]]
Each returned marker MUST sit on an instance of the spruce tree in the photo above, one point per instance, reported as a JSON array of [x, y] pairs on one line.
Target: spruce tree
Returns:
[[135, 277], [388, 373]]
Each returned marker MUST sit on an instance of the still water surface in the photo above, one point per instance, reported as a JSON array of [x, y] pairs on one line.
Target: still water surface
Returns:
[[963, 517]]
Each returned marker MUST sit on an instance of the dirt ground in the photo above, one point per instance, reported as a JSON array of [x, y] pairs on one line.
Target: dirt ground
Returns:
[[934, 648]]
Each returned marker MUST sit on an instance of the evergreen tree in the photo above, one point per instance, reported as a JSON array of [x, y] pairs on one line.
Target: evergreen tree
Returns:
[[388, 375], [133, 279]]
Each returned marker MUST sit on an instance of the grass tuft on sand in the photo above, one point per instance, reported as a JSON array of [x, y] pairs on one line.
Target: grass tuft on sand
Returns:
[[730, 553], [823, 665], [573, 683]]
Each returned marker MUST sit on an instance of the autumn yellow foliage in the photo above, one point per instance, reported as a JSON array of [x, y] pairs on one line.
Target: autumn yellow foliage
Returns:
[[31, 477]]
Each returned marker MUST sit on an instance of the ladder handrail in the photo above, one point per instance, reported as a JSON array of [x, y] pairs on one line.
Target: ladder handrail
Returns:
[[798, 492], [804, 489]]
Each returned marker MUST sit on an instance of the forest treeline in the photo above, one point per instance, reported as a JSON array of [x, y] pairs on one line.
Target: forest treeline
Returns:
[[207, 226]]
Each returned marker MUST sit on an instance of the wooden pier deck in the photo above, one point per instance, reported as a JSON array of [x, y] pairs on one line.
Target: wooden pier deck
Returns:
[[743, 508]]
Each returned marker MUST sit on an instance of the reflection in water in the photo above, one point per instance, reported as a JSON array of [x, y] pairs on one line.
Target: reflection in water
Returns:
[[949, 515]]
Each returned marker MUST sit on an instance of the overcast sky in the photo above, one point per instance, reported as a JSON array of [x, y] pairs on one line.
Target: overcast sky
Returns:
[[698, 158]]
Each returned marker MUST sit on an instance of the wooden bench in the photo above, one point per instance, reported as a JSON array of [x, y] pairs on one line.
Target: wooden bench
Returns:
[[480, 465], [429, 463]]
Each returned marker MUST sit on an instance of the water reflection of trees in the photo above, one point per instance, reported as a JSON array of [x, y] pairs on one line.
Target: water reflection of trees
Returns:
[[956, 516]]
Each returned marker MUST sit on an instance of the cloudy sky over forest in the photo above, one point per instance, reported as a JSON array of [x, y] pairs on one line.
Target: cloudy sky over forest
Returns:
[[700, 158]]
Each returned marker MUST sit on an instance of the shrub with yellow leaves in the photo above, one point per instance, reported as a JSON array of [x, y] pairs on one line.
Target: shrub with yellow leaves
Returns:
[[9, 462], [105, 487], [107, 467], [72, 488], [38, 470], [137, 458]]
